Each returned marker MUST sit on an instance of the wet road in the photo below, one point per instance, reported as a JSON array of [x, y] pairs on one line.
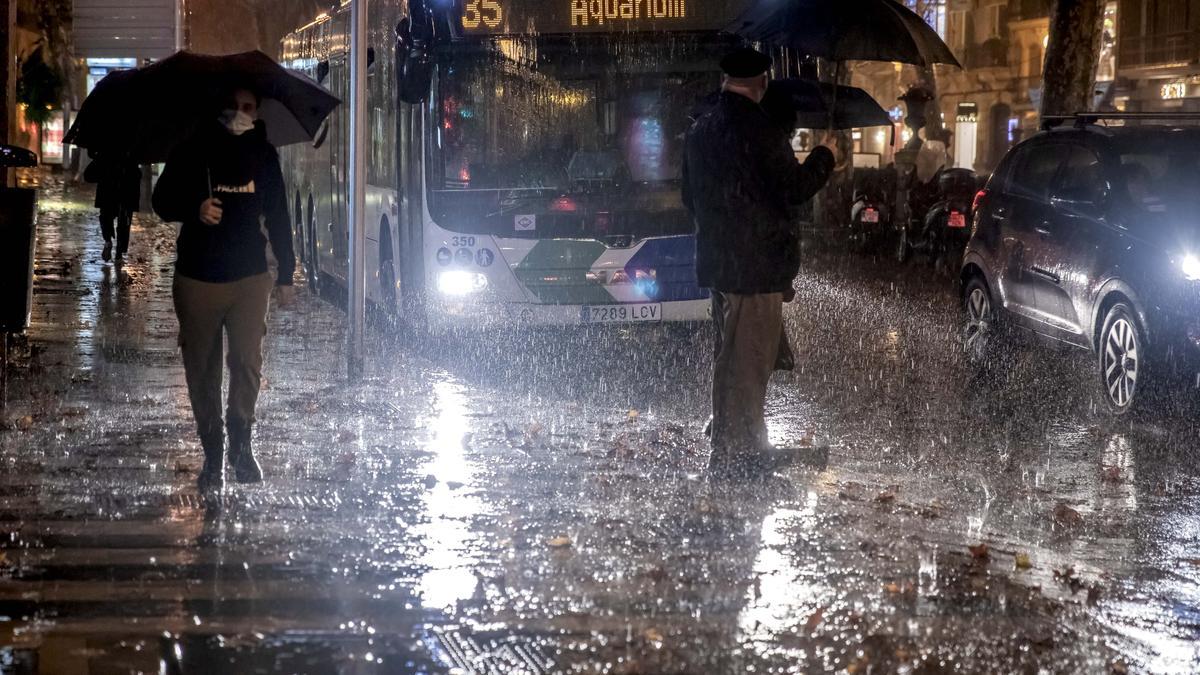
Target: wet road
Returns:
[[525, 504]]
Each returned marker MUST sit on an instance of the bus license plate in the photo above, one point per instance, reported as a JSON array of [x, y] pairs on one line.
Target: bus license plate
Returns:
[[621, 313], [958, 219], [870, 216]]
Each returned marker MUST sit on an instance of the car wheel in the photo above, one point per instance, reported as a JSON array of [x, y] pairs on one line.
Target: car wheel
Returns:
[[1122, 360], [979, 323]]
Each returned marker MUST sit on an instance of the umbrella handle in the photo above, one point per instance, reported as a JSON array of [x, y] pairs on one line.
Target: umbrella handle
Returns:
[[208, 174]]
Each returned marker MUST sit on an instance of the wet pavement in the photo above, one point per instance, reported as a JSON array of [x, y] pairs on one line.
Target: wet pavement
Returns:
[[537, 503]]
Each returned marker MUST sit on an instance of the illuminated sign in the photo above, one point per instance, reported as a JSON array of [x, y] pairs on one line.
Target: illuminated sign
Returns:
[[52, 138], [525, 17], [1173, 90]]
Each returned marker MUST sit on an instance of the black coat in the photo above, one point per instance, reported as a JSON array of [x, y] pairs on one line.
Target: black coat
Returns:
[[118, 183], [739, 178], [242, 172]]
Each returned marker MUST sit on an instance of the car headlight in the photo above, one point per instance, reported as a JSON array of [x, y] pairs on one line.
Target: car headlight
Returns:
[[458, 282], [1191, 267]]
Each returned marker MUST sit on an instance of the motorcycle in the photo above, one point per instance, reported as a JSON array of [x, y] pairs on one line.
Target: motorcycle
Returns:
[[939, 217], [870, 212], [946, 226]]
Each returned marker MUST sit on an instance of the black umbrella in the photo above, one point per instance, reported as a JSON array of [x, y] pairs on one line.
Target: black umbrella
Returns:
[[144, 113], [810, 101], [804, 104], [844, 30]]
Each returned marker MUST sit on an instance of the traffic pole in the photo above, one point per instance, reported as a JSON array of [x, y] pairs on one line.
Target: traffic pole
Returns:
[[357, 306]]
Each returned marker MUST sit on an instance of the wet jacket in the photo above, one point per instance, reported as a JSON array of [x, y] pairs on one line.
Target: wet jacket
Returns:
[[243, 173], [739, 179], [118, 183]]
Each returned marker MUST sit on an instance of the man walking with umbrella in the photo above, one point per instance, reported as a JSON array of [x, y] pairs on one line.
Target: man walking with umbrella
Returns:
[[740, 178], [226, 187]]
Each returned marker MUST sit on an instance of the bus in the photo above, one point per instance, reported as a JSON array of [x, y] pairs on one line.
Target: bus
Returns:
[[524, 158]]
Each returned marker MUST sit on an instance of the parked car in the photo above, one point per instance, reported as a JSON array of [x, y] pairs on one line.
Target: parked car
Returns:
[[1090, 235]]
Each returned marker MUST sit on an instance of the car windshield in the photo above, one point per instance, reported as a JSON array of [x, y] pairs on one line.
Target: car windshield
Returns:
[[559, 137]]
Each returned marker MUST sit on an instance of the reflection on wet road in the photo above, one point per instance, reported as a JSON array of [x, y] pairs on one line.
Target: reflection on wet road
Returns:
[[536, 503]]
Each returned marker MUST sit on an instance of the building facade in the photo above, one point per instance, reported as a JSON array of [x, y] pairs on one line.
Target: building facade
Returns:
[[1158, 56]]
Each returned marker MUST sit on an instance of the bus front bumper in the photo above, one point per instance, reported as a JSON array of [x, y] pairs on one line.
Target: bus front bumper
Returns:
[[470, 316]]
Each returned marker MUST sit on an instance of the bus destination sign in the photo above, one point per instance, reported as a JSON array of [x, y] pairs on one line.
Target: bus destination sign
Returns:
[[524, 17]]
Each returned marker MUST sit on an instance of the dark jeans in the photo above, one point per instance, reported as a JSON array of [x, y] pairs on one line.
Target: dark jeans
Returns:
[[123, 219]]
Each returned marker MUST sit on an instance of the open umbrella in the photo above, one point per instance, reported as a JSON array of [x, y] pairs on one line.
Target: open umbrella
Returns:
[[805, 104], [144, 113], [851, 107], [844, 30]]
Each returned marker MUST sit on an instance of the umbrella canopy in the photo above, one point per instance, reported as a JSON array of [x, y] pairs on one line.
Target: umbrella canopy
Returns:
[[844, 30], [852, 107], [805, 104], [144, 113]]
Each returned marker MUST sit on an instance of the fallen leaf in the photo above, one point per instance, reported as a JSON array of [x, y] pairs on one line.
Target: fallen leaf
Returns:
[[1022, 561], [25, 423], [633, 415], [886, 497], [3, 558], [814, 620], [1067, 516], [892, 587], [533, 430], [652, 635], [979, 552], [1119, 668], [1111, 474], [559, 542]]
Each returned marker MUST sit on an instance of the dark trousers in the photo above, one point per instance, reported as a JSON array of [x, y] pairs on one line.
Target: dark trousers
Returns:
[[115, 222], [208, 314]]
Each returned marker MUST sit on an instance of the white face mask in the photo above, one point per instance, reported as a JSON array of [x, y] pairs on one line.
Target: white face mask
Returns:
[[237, 122]]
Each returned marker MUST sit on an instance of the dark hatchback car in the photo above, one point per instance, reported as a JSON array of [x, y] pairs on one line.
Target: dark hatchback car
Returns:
[[1090, 235]]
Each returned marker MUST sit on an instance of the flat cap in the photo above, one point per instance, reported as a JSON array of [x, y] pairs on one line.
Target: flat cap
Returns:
[[745, 62]]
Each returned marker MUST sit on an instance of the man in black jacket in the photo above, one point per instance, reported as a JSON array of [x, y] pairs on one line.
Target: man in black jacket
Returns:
[[226, 187], [740, 178]]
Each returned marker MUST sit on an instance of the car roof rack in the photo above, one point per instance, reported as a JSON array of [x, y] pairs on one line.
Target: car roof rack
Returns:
[[1082, 119]]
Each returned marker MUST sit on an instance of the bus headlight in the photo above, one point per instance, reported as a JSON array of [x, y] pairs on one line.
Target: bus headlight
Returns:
[[1191, 267], [458, 282]]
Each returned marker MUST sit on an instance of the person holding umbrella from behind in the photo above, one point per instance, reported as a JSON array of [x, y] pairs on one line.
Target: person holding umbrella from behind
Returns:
[[118, 193], [740, 177], [226, 187]]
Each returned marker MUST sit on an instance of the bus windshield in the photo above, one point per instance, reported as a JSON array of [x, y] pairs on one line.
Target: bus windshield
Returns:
[[567, 137]]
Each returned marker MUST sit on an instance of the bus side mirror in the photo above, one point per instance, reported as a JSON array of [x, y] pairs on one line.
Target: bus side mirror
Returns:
[[414, 65]]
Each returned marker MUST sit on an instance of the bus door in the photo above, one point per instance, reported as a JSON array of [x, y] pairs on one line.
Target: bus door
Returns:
[[339, 233]]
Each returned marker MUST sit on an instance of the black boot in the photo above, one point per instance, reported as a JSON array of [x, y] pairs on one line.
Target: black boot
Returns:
[[241, 456], [212, 475]]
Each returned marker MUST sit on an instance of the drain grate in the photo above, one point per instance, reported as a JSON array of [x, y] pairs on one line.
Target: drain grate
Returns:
[[492, 654]]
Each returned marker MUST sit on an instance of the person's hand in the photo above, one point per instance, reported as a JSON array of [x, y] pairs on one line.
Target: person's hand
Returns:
[[210, 211], [830, 140], [285, 296]]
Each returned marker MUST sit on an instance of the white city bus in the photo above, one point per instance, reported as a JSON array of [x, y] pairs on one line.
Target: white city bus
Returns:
[[523, 158]]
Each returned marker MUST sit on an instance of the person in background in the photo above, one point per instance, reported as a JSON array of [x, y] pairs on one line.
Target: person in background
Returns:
[[226, 187], [739, 181], [118, 193]]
